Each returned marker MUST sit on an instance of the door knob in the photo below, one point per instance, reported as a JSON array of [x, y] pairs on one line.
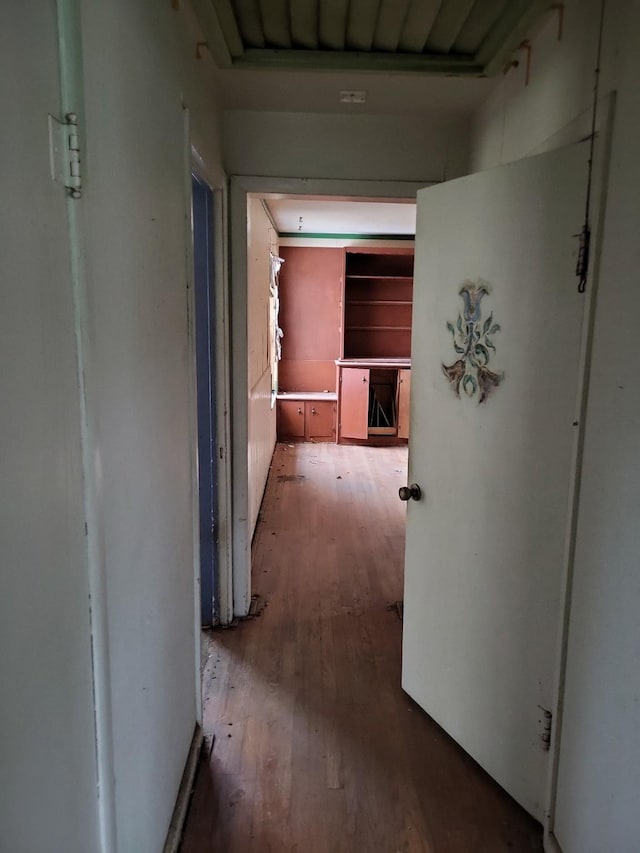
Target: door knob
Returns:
[[410, 493]]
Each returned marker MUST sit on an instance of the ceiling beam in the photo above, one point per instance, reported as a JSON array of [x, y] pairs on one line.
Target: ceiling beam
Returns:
[[249, 18], [276, 23], [481, 19], [332, 26], [391, 18], [447, 25], [417, 24], [304, 23], [334, 60], [361, 25], [229, 26]]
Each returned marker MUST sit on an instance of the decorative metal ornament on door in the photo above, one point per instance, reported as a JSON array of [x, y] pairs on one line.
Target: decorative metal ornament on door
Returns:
[[473, 342]]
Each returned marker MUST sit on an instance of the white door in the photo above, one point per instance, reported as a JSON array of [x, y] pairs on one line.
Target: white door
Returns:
[[495, 369]]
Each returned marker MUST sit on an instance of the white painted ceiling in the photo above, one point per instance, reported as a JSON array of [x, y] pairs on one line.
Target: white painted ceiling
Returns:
[[299, 215], [461, 37]]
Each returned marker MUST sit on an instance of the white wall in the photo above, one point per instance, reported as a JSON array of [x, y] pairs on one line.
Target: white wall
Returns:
[[368, 147], [599, 781], [261, 239], [599, 770], [139, 69], [47, 751]]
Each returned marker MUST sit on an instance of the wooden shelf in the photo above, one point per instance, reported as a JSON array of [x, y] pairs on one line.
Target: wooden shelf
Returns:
[[382, 277], [393, 363], [378, 290], [315, 396], [378, 302], [378, 328]]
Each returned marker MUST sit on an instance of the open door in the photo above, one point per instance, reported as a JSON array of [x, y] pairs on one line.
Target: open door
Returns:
[[495, 368]]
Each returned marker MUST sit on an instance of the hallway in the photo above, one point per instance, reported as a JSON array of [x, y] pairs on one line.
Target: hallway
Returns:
[[317, 747]]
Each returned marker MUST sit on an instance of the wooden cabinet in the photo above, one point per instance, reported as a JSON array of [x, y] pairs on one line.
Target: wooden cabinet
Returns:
[[374, 401], [351, 308], [306, 417], [374, 377]]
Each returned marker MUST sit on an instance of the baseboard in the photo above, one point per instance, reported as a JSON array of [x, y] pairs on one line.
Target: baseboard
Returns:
[[174, 835]]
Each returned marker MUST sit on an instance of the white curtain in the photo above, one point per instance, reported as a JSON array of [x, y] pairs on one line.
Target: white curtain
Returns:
[[275, 332]]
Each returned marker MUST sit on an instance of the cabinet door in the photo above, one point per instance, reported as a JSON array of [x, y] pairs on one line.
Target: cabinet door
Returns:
[[290, 419], [404, 393], [354, 402], [319, 418]]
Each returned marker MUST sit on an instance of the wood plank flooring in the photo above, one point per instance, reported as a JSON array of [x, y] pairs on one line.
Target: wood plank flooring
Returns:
[[318, 750]]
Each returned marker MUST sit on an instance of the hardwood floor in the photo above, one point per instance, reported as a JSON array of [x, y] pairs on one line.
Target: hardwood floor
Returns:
[[318, 750]]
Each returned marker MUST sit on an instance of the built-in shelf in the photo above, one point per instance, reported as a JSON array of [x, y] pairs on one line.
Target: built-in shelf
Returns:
[[313, 396], [378, 291], [396, 363], [379, 302], [378, 328], [382, 277], [376, 346]]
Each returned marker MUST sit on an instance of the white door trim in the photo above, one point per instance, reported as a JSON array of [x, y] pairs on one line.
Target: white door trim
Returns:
[[194, 161]]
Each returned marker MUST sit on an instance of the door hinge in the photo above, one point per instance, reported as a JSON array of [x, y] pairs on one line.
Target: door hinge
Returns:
[[582, 264], [64, 149], [546, 722]]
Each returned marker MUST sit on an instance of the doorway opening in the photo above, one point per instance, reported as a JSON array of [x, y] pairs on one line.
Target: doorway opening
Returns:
[[244, 191], [343, 330]]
